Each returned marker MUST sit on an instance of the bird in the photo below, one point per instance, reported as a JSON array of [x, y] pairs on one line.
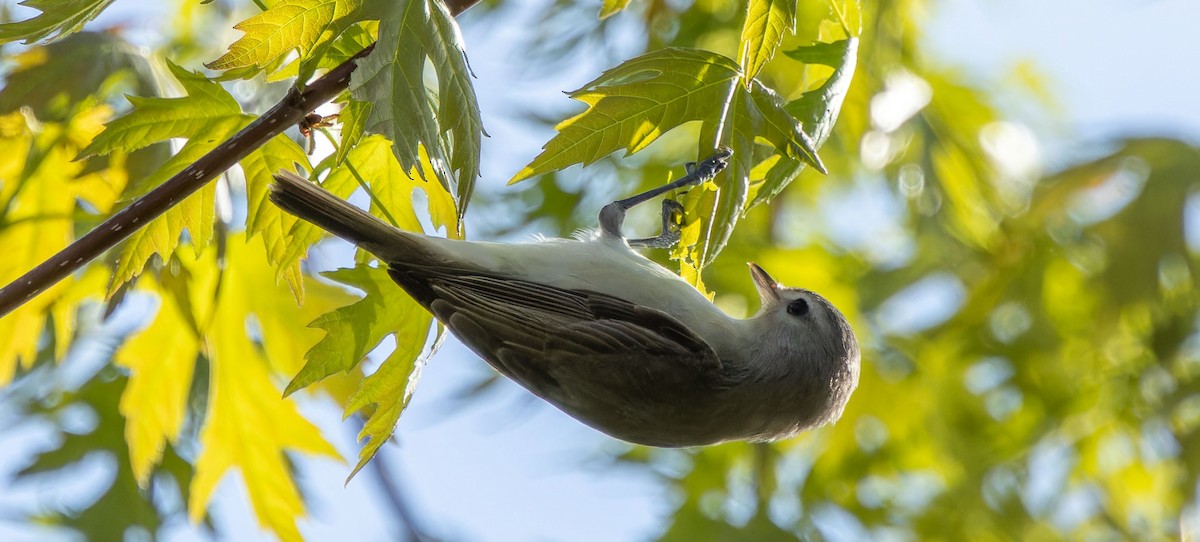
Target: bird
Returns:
[[610, 337]]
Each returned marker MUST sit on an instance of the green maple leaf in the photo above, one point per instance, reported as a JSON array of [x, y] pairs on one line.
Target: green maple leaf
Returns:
[[389, 389], [355, 330], [206, 116], [767, 21], [633, 104], [818, 108], [264, 218], [413, 33], [58, 17], [246, 425], [353, 118], [154, 119], [351, 332], [309, 26]]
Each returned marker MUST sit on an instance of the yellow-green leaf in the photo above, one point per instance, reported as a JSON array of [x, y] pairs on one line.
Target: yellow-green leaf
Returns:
[[353, 118], [37, 223], [412, 33], [353, 331], [389, 388], [206, 116], [156, 119], [162, 235], [58, 17], [264, 218], [283, 326], [160, 360], [767, 21], [633, 104], [247, 425], [306, 25]]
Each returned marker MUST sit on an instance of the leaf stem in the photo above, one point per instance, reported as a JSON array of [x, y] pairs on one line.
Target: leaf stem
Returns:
[[371, 194], [841, 17]]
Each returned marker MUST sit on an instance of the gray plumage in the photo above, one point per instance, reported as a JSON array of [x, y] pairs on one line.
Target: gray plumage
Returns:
[[612, 338]]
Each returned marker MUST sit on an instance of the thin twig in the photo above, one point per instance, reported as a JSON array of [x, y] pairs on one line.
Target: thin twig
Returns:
[[289, 111]]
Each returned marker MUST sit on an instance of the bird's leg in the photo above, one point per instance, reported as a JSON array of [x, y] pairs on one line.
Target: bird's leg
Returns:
[[612, 216], [672, 218]]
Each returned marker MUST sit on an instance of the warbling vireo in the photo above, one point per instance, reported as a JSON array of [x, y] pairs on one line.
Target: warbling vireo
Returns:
[[611, 337]]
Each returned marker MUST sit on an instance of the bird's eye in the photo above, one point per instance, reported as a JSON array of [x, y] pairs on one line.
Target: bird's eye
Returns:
[[798, 307]]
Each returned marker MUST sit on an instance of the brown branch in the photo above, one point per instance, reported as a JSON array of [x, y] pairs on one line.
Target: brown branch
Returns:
[[289, 111]]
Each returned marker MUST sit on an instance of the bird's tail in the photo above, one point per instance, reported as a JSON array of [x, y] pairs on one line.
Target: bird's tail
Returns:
[[306, 200]]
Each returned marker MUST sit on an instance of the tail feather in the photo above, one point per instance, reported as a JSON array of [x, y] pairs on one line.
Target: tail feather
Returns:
[[306, 200]]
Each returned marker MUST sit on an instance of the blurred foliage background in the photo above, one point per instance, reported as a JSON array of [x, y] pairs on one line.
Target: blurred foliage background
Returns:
[[1031, 365]]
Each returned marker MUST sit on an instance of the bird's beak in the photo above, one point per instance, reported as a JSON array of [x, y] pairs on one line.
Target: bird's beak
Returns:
[[768, 289]]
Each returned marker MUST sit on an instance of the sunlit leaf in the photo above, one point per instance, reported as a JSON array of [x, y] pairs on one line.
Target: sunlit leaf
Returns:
[[353, 331], [161, 236], [413, 33], [263, 217], [353, 118], [160, 359], [767, 22], [207, 115], [58, 18], [389, 388], [633, 104], [155, 119], [247, 426], [37, 223], [307, 25], [817, 110]]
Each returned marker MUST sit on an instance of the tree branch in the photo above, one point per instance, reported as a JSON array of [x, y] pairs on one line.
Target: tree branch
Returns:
[[289, 111]]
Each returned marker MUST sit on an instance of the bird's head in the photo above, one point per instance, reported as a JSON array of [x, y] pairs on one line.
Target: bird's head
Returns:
[[807, 344]]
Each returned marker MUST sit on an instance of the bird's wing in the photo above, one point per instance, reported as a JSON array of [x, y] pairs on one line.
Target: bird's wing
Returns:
[[530, 331]]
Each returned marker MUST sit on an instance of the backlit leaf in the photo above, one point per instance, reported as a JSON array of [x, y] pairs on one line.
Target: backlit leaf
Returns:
[[389, 388], [633, 104], [411, 34], [39, 203], [160, 359], [263, 217], [817, 110], [767, 22], [206, 116], [247, 426], [58, 18], [307, 25], [155, 119], [353, 331]]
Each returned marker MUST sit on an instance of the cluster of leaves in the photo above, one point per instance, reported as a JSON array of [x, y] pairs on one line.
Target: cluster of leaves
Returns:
[[228, 300], [221, 302], [773, 139], [1055, 393]]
